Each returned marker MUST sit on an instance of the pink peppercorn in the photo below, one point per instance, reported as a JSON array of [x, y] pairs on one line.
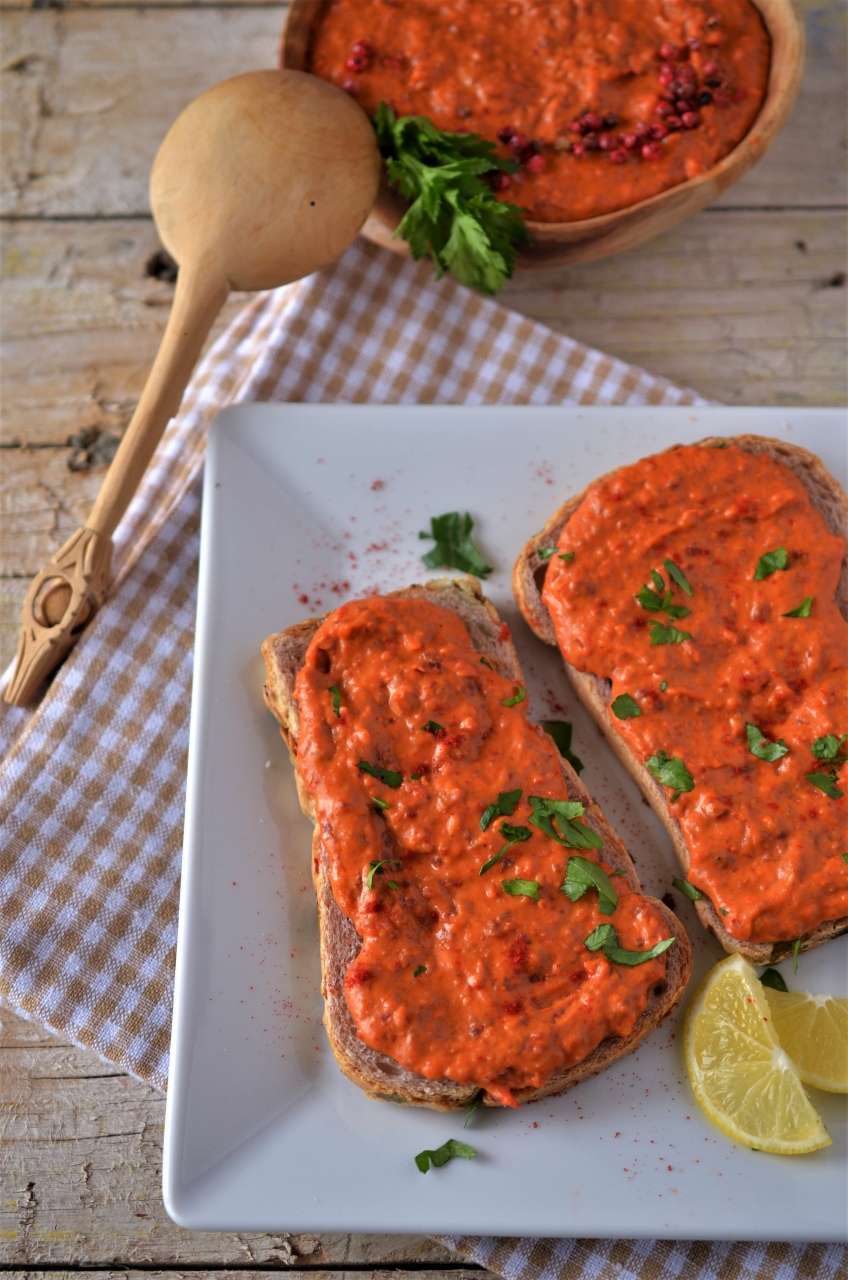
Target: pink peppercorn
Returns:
[[664, 109], [350, 85], [619, 156], [673, 123], [501, 181], [631, 141], [668, 52], [519, 141], [651, 151], [536, 164], [578, 150], [659, 131], [506, 133], [593, 121], [711, 69], [690, 119], [609, 141]]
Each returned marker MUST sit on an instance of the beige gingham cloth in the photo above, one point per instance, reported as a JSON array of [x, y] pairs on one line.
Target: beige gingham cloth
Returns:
[[92, 785]]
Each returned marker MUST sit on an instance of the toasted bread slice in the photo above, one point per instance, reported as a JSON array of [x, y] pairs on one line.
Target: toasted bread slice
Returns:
[[528, 579], [377, 1074]]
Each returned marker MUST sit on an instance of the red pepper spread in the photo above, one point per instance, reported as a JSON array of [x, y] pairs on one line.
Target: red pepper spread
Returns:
[[405, 738], [603, 103], [751, 700]]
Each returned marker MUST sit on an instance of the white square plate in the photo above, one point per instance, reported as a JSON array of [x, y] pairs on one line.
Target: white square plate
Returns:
[[304, 506]]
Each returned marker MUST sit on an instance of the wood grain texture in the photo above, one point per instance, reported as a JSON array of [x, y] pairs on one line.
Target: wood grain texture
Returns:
[[81, 1170], [89, 93]]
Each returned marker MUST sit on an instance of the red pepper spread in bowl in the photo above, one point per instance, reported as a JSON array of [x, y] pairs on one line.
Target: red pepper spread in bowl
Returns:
[[603, 104]]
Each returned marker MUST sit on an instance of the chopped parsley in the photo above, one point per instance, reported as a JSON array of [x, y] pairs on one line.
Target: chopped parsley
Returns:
[[668, 635], [567, 814], [773, 978], [663, 686], [844, 857], [453, 214], [670, 772], [762, 748], [803, 610], [487, 663], [519, 696], [560, 731], [545, 553], [606, 938], [388, 776], [433, 726], [376, 869], [796, 947], [337, 698], [443, 1154], [581, 875], [393, 884], [825, 782], [522, 888], [568, 556], [454, 548], [513, 835], [826, 748], [418, 970], [656, 603], [415, 776], [381, 804], [474, 1105], [688, 890], [625, 707], [678, 576], [770, 563], [503, 806]]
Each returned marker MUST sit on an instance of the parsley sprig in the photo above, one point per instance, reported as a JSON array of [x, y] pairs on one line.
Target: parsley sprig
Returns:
[[453, 216], [454, 548]]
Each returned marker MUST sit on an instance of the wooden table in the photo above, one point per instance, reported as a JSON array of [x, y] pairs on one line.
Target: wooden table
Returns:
[[746, 303]]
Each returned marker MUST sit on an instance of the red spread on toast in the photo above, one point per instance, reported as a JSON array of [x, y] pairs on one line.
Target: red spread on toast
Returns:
[[457, 978], [603, 104], [766, 841]]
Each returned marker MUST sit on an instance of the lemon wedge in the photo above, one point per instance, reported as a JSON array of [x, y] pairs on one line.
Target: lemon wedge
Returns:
[[814, 1032], [742, 1078]]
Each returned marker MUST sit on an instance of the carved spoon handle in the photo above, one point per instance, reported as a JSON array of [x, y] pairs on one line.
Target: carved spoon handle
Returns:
[[72, 586]]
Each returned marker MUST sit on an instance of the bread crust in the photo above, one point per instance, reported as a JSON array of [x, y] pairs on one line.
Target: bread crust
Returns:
[[828, 496], [377, 1074]]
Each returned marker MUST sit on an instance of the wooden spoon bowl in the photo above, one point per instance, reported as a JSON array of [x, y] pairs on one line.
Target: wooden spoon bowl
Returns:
[[558, 243]]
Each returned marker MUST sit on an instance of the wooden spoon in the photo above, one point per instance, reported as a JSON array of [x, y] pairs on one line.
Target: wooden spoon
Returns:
[[261, 180]]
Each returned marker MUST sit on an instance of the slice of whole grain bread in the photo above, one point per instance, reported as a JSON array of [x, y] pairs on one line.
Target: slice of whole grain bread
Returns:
[[376, 1073], [827, 495]]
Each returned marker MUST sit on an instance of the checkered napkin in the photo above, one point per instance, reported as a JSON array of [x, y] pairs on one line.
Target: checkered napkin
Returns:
[[92, 786]]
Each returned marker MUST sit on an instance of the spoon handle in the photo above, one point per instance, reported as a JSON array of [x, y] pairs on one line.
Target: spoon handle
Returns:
[[65, 594], [198, 299]]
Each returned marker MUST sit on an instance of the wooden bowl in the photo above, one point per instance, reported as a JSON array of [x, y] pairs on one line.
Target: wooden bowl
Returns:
[[558, 243]]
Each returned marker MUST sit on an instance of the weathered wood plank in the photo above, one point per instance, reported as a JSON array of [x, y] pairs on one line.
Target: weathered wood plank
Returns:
[[80, 1179], [90, 93]]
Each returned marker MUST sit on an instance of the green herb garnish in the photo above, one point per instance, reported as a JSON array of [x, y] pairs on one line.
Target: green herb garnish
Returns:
[[796, 947], [418, 970], [545, 553], [567, 814], [560, 731], [770, 562], [393, 884], [433, 726], [772, 978], [825, 782], [454, 548], [668, 635], [568, 556], [826, 748], [678, 575], [453, 215], [519, 696], [580, 875], [844, 857], [522, 888], [376, 869], [503, 806], [656, 603], [625, 707], [803, 610], [388, 776], [724, 911], [670, 772], [763, 749], [381, 804], [442, 1154], [415, 776], [478, 1097], [514, 835], [487, 663], [606, 937], [663, 686], [688, 890], [337, 698]]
